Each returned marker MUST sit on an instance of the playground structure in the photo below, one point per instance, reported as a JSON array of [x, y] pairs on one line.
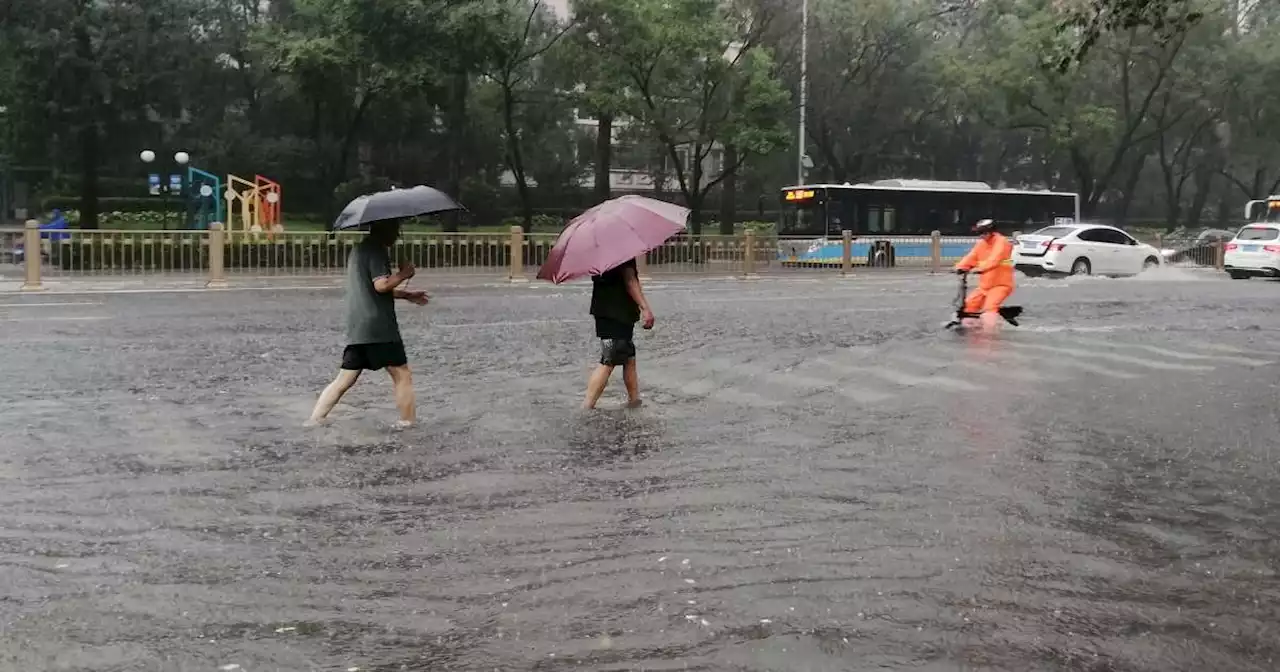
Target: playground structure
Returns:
[[253, 207], [204, 205]]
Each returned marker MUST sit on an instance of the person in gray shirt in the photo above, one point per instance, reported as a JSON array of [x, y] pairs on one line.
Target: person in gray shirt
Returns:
[[373, 333]]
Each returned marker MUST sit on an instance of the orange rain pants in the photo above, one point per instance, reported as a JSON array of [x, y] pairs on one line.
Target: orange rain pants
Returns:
[[992, 257]]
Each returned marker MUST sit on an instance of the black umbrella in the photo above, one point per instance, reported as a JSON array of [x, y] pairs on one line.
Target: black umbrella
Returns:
[[394, 204]]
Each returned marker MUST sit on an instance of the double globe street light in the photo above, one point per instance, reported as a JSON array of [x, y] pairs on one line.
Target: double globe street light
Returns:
[[181, 159]]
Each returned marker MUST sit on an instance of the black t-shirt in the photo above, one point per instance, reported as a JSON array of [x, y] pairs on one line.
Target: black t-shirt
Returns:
[[609, 297]]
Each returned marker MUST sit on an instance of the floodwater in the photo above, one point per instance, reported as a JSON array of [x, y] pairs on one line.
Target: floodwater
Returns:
[[820, 480]]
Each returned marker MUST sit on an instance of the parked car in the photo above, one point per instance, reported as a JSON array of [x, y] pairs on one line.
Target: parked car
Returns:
[[1082, 249], [1254, 251]]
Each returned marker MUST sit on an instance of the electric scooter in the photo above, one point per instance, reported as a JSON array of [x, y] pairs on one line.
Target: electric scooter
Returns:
[[1009, 313]]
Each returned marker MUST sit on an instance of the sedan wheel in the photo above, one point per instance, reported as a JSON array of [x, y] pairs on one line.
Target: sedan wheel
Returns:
[[1081, 267]]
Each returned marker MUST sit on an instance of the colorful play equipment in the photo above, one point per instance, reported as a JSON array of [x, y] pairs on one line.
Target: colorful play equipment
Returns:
[[204, 200], [254, 207], [271, 194]]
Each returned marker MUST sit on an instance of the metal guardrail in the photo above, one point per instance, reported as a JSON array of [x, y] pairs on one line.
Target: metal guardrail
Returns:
[[221, 256]]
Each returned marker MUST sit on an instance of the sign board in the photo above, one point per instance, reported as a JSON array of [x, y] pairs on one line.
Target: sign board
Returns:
[[1063, 221], [799, 195], [153, 184], [175, 184]]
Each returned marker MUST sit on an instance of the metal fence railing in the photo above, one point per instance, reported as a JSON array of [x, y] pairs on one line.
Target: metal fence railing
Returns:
[[123, 253], [1189, 251], [220, 255]]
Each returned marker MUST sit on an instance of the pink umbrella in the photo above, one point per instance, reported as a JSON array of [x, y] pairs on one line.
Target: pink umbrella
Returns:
[[610, 234]]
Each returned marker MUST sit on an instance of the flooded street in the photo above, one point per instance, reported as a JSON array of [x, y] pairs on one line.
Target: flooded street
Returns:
[[821, 480]]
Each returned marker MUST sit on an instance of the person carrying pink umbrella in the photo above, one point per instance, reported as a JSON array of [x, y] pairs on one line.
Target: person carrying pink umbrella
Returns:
[[604, 242]]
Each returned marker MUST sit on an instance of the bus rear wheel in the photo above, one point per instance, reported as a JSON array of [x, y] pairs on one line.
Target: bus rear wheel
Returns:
[[881, 255]]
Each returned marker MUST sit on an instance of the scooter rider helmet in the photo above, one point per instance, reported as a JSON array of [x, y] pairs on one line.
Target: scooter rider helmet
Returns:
[[984, 226]]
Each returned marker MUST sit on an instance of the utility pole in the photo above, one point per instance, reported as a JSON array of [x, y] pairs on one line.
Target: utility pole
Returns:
[[804, 87]]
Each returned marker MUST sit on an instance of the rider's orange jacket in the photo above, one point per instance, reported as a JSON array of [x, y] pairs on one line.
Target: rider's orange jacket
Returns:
[[993, 258]]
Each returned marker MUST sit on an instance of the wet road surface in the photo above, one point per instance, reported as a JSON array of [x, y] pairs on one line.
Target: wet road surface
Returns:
[[820, 480]]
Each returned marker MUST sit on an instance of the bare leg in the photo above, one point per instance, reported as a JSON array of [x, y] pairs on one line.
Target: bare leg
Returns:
[[632, 380], [991, 321], [332, 395], [595, 385], [406, 402]]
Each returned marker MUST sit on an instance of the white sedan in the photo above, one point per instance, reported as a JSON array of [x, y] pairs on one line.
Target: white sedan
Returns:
[[1082, 249], [1254, 251]]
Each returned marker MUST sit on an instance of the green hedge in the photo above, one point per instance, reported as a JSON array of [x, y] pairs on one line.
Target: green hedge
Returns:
[[114, 203]]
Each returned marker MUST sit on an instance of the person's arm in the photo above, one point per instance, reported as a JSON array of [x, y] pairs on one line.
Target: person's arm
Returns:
[[969, 259], [415, 296], [386, 282], [637, 294]]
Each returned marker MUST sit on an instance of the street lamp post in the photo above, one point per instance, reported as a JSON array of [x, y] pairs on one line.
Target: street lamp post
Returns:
[[804, 88], [180, 159]]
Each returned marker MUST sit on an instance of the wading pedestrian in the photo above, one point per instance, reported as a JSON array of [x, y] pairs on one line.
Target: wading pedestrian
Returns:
[[373, 333], [617, 302]]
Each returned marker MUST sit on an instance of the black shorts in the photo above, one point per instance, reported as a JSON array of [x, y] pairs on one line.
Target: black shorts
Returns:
[[373, 356], [616, 344]]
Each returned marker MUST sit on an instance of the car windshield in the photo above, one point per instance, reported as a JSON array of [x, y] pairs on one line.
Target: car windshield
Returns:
[[1055, 231], [1258, 233]]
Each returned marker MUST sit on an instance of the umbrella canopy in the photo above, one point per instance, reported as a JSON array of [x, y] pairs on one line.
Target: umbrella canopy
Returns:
[[610, 234], [394, 204]]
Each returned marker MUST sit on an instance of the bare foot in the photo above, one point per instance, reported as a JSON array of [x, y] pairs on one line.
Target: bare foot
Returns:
[[312, 422], [635, 403], [402, 424]]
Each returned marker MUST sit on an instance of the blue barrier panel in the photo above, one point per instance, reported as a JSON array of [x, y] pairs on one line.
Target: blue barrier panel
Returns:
[[833, 253]]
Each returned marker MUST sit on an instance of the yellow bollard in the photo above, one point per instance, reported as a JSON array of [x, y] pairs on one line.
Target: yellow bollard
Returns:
[[935, 252], [217, 257], [516, 272], [846, 254], [749, 254], [31, 258]]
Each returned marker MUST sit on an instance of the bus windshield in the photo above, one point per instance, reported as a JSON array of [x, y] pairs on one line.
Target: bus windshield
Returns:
[[804, 213]]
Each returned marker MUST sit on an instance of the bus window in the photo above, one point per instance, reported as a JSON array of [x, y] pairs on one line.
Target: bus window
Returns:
[[881, 219]]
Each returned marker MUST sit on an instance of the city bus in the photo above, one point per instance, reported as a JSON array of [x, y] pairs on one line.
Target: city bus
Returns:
[[893, 219]]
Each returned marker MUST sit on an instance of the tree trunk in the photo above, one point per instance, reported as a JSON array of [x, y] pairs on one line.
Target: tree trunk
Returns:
[[1129, 190], [729, 190], [1204, 190], [457, 142], [514, 157], [89, 151], [694, 203], [90, 148], [604, 156]]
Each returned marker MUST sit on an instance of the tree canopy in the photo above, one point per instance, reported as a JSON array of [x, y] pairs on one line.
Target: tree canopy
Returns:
[[1157, 111]]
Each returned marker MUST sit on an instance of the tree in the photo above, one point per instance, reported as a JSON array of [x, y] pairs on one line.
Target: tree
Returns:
[[698, 80], [599, 88], [526, 33], [98, 75], [1089, 21], [870, 84]]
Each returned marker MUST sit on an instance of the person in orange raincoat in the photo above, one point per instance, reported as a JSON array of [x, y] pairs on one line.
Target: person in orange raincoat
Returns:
[[992, 257]]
